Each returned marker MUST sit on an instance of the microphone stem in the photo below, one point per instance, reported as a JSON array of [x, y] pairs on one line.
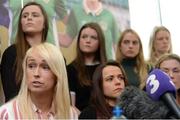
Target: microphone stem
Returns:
[[171, 103]]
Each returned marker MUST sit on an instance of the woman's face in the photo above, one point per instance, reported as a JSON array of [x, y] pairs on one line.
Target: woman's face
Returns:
[[32, 20], [130, 45], [162, 42], [172, 68], [89, 42], [113, 82], [40, 78]]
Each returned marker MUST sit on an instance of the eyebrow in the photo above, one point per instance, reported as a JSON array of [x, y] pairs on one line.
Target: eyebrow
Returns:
[[112, 75], [32, 59]]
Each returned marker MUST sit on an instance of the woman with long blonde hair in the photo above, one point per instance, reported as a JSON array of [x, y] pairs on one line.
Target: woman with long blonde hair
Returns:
[[130, 55], [159, 44], [44, 92]]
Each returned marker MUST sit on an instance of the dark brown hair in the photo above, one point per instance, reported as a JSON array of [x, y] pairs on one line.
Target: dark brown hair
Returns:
[[98, 99], [100, 54]]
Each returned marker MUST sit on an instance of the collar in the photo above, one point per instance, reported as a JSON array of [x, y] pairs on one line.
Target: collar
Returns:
[[94, 12], [39, 111]]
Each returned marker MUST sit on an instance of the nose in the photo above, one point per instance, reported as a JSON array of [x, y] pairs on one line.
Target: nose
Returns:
[[170, 73], [36, 72], [117, 81], [29, 17], [130, 44], [88, 39]]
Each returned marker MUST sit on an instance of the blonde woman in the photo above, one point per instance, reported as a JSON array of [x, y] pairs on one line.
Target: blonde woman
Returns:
[[170, 63], [44, 92], [130, 56], [159, 44]]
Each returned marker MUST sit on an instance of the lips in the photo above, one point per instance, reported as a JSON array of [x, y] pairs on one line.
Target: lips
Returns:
[[29, 24], [37, 83], [117, 89]]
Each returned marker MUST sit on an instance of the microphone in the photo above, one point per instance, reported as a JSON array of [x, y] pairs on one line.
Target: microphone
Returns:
[[136, 104], [159, 86]]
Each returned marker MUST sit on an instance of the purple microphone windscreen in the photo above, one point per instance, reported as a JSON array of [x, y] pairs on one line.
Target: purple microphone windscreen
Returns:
[[158, 83]]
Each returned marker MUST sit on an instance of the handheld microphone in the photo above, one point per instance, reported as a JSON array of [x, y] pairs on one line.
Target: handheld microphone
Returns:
[[160, 86]]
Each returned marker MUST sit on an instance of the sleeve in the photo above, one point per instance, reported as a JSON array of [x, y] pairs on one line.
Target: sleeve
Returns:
[[8, 74], [3, 114], [72, 77], [73, 113], [88, 113]]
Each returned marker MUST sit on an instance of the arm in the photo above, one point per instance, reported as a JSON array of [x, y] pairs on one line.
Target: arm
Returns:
[[8, 73]]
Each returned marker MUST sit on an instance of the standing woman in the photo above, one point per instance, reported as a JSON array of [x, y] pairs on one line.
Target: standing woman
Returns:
[[90, 53], [44, 92], [170, 63], [130, 56], [159, 44], [109, 81], [32, 30]]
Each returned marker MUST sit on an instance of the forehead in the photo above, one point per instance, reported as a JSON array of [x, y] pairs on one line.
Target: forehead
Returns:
[[32, 8], [162, 32], [34, 55], [130, 36], [170, 63], [89, 29], [110, 69]]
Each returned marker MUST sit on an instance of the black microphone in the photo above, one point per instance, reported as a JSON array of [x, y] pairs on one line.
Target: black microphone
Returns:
[[136, 104], [159, 86]]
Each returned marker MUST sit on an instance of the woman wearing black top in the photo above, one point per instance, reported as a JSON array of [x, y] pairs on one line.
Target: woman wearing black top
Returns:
[[109, 81], [32, 30], [90, 53]]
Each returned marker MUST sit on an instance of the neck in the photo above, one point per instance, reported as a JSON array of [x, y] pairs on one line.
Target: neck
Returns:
[[111, 101], [89, 59], [42, 102], [34, 39], [92, 5]]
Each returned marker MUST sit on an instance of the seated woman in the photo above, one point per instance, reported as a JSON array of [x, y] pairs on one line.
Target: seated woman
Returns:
[[44, 92], [170, 63], [109, 81]]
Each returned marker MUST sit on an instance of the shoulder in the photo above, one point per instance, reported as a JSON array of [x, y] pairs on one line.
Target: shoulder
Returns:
[[88, 113], [6, 110], [71, 67], [73, 113], [11, 50]]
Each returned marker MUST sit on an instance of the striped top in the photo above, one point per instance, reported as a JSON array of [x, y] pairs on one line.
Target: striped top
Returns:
[[10, 110]]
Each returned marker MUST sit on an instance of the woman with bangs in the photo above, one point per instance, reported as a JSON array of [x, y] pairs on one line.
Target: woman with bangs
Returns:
[[44, 92]]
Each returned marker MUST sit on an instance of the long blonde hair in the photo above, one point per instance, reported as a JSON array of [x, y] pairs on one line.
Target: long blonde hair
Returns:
[[61, 99], [152, 52], [141, 66]]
